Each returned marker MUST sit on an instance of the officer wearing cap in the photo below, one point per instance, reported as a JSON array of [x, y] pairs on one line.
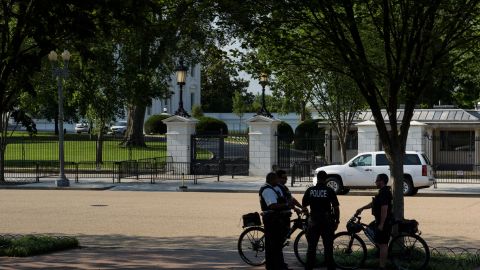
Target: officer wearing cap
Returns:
[[324, 219], [275, 208]]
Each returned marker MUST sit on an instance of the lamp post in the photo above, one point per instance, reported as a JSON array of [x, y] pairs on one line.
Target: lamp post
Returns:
[[60, 72], [263, 110], [181, 77]]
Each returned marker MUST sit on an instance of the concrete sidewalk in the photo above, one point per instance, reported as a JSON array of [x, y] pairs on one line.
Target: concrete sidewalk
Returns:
[[244, 184]]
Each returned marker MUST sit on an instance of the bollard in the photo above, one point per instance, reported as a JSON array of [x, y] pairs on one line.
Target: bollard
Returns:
[[183, 187]]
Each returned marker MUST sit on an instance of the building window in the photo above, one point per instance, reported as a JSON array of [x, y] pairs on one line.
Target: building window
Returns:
[[457, 140], [192, 99], [192, 71], [149, 110]]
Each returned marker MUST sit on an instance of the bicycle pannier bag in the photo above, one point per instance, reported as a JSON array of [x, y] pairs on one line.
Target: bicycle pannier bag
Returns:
[[408, 226], [251, 219]]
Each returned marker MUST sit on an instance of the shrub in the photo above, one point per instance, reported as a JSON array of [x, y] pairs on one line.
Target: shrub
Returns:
[[197, 111], [154, 124], [308, 136], [209, 125], [29, 245], [285, 132]]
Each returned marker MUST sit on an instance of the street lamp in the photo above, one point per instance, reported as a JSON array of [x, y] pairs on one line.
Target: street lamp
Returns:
[[263, 110], [60, 72], [181, 77]]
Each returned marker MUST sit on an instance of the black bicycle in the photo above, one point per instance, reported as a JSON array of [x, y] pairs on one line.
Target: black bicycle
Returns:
[[407, 250], [251, 243]]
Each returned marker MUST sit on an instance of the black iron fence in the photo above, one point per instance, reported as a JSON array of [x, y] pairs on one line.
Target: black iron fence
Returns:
[[303, 172], [220, 154], [453, 157], [301, 150]]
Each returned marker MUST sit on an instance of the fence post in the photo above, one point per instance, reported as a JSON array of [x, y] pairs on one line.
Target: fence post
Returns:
[[293, 175], [136, 169], [76, 172], [37, 177], [152, 164]]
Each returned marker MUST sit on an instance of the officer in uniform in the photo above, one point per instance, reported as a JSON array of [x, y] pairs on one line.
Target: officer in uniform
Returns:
[[275, 209], [324, 219], [381, 206]]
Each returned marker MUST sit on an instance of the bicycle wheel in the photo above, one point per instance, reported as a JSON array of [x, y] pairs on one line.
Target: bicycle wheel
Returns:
[[409, 251], [300, 247], [349, 251], [251, 246]]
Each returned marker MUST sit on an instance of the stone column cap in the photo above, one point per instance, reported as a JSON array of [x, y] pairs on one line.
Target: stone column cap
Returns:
[[262, 119], [177, 118], [366, 123], [416, 123]]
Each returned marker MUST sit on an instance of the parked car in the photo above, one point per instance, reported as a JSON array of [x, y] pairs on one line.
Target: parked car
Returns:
[[82, 127], [119, 127], [361, 171]]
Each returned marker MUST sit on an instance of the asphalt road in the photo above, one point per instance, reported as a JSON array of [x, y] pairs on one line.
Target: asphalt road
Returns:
[[184, 230]]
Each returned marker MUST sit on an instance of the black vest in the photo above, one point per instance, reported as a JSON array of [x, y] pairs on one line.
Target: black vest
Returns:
[[263, 204]]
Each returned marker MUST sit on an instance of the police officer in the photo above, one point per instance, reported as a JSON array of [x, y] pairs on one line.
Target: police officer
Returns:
[[324, 219], [382, 211], [292, 202], [275, 208]]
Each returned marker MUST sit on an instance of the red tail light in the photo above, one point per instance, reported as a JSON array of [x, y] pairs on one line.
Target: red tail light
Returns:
[[424, 170]]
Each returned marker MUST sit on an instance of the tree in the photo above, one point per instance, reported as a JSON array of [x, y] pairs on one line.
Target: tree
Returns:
[[167, 31], [28, 31], [336, 99], [219, 81], [393, 50], [241, 105]]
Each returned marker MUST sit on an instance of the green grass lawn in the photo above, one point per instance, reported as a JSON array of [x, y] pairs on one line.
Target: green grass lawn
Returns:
[[79, 148]]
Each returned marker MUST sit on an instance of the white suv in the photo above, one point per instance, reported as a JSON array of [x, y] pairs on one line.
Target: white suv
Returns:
[[361, 171]]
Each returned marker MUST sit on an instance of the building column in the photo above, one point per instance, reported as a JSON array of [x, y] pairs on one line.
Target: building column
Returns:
[[367, 137], [415, 139], [262, 144], [179, 137]]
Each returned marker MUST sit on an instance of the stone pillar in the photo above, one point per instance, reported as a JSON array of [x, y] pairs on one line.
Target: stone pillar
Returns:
[[367, 137], [179, 134], [415, 139], [262, 144]]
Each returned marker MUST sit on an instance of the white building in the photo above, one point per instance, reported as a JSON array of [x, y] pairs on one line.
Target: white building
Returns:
[[191, 94]]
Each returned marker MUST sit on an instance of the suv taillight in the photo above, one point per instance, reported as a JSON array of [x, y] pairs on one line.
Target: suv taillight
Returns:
[[424, 170]]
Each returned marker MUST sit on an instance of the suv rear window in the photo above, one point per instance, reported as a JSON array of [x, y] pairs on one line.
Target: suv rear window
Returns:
[[409, 159]]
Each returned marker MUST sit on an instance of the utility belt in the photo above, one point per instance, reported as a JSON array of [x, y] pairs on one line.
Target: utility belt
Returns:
[[276, 214]]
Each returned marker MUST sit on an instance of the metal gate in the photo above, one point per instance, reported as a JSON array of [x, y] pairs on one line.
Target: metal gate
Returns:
[[220, 154], [304, 150]]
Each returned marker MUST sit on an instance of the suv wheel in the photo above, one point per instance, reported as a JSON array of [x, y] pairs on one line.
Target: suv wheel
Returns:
[[408, 188], [335, 184]]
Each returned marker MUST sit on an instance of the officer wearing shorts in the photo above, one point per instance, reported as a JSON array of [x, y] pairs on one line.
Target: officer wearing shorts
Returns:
[[382, 211], [324, 219], [275, 210]]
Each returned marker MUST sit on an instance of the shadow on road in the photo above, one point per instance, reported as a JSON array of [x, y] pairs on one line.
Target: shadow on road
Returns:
[[132, 252]]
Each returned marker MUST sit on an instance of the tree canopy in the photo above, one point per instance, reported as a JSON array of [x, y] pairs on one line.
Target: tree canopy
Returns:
[[392, 50]]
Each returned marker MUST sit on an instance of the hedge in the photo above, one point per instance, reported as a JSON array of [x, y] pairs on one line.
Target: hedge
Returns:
[[154, 124], [210, 125]]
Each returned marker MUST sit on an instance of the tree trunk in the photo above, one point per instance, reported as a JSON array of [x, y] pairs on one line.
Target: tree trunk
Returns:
[[134, 135], [4, 117], [99, 154], [56, 124], [343, 150], [3, 147], [396, 169], [303, 113]]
